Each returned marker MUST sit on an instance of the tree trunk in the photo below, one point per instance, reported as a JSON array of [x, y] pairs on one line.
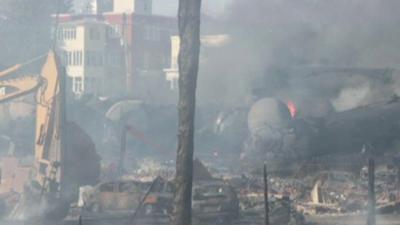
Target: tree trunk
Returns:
[[266, 203], [371, 193], [189, 32]]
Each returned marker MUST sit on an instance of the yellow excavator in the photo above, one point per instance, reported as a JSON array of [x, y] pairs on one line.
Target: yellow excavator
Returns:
[[49, 116], [48, 181]]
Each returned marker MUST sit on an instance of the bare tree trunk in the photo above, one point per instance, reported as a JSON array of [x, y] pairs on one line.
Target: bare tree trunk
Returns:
[[189, 32], [122, 153], [266, 203], [371, 193]]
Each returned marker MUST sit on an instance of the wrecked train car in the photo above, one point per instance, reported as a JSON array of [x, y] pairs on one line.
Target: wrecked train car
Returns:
[[367, 130]]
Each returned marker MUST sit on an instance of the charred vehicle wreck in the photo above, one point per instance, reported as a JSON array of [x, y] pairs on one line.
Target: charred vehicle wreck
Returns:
[[214, 200]]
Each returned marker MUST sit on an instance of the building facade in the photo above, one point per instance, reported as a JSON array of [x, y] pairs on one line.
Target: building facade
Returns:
[[88, 51], [207, 42], [133, 6], [127, 46]]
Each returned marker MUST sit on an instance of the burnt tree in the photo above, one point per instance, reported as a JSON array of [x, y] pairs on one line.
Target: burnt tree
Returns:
[[371, 220], [266, 204], [188, 60]]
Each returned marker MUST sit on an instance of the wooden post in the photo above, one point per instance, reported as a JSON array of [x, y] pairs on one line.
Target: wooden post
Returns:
[[122, 153], [65, 185], [125, 38], [371, 193], [188, 61], [56, 23], [266, 204]]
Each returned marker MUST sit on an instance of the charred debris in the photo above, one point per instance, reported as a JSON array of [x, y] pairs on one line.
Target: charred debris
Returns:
[[328, 151], [316, 156]]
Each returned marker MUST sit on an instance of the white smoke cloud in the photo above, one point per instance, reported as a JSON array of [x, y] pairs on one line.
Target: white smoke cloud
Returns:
[[352, 96]]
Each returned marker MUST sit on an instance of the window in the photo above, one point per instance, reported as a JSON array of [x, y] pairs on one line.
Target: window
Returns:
[[89, 58], [60, 34], [63, 57], [90, 84], [69, 59], [146, 61], [146, 33], [94, 34], [77, 58], [77, 85], [74, 33], [66, 33], [114, 31], [174, 84], [114, 59], [2, 91], [152, 33], [93, 58], [80, 58]]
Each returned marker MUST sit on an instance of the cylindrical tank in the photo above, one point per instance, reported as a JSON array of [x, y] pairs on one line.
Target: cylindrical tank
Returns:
[[268, 120], [266, 114]]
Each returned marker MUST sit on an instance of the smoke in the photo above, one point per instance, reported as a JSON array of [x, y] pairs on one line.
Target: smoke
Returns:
[[325, 56], [352, 96], [282, 34]]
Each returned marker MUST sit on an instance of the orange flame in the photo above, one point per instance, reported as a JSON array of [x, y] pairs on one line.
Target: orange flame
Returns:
[[292, 108]]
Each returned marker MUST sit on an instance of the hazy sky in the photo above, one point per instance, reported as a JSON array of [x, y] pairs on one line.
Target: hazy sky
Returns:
[[170, 7]]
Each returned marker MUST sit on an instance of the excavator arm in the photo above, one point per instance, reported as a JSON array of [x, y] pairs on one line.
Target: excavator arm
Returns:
[[49, 115], [15, 88], [49, 121]]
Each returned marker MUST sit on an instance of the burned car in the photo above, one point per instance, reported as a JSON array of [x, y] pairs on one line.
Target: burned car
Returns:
[[214, 201], [130, 195], [114, 196], [158, 199]]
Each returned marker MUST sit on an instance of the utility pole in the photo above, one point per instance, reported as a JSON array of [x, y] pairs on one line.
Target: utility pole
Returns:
[[371, 193], [188, 60], [127, 53], [122, 153], [266, 204], [56, 23]]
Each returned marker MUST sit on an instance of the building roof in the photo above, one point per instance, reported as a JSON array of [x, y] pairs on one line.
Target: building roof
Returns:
[[83, 21], [103, 16]]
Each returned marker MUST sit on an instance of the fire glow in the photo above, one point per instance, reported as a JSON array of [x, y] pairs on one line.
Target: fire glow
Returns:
[[292, 108]]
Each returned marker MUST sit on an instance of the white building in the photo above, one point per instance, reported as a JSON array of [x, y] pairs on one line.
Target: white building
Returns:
[[82, 46], [96, 55], [207, 41], [133, 6]]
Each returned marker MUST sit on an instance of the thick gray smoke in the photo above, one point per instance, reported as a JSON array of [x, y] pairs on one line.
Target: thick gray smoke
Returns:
[[266, 35], [325, 56]]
